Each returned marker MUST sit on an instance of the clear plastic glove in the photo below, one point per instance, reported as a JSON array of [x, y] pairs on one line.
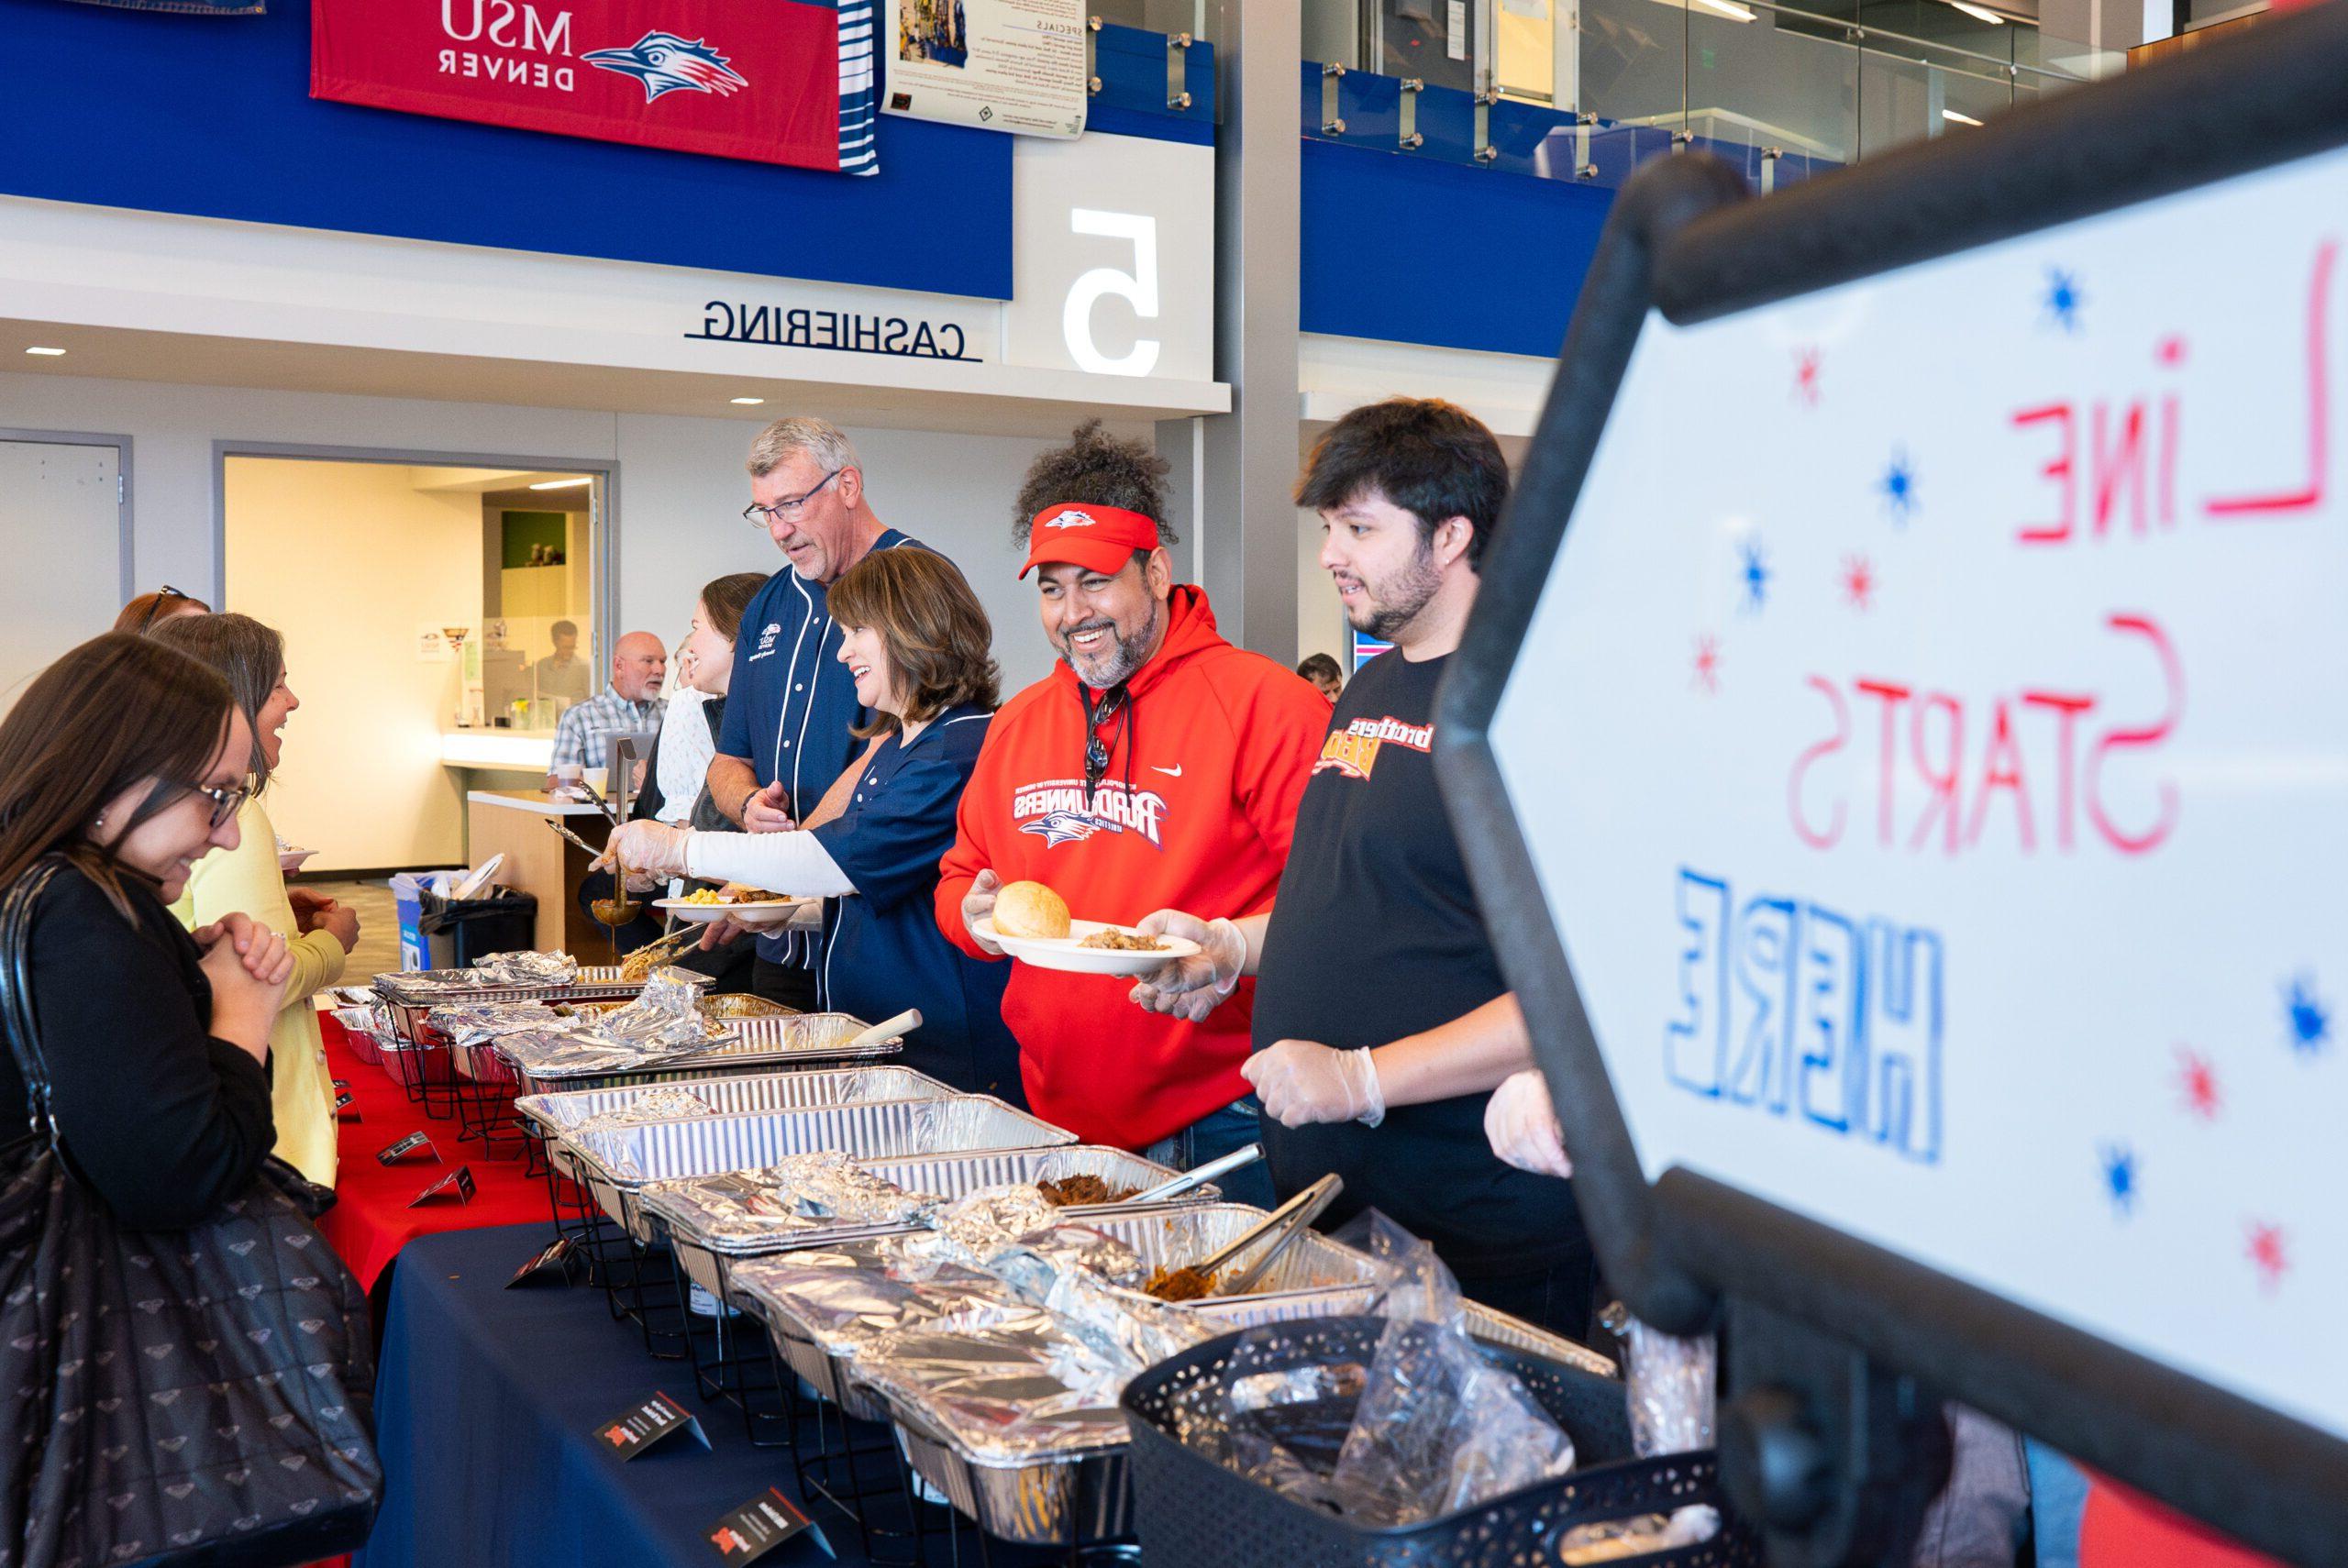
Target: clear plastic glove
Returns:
[[652, 852], [1192, 988], [1521, 1126], [978, 904], [1300, 1083]]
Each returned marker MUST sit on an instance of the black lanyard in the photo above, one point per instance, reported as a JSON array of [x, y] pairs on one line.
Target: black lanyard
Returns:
[[1115, 708]]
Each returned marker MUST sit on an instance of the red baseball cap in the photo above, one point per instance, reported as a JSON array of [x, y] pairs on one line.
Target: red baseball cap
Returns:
[[1098, 538]]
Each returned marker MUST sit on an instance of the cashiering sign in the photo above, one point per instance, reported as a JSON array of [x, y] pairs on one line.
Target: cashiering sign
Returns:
[[1931, 747]]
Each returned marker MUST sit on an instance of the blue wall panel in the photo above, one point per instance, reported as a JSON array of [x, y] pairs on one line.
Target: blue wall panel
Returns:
[[1407, 248], [212, 116]]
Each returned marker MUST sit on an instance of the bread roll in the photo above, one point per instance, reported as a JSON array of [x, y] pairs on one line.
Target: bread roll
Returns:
[[1030, 909]]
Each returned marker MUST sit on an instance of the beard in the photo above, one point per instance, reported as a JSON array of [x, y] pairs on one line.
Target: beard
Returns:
[[1390, 606], [1120, 660]]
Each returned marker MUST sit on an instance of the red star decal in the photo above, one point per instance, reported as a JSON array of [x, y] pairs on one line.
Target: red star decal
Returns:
[[2198, 1080], [2267, 1254], [1858, 581], [1806, 378], [1708, 664]]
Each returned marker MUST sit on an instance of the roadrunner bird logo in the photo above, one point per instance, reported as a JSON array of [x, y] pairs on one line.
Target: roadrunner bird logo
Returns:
[[1066, 827], [663, 63]]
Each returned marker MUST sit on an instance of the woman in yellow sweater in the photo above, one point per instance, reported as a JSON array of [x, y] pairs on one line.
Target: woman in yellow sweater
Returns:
[[320, 934]]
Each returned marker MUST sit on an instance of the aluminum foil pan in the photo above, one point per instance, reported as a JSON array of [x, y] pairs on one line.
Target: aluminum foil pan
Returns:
[[556, 1113], [1498, 1328], [668, 1150], [1312, 1277], [709, 1213], [819, 1305]]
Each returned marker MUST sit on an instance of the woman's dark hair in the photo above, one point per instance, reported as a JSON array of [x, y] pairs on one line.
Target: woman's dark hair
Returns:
[[147, 612], [1320, 666], [939, 639], [117, 710], [1432, 458], [727, 600], [1098, 467], [250, 655]]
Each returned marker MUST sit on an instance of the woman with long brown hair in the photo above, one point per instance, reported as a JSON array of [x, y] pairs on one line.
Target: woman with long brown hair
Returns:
[[319, 932], [124, 762], [917, 645]]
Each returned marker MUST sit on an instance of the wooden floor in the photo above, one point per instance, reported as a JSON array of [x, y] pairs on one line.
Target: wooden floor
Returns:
[[378, 952]]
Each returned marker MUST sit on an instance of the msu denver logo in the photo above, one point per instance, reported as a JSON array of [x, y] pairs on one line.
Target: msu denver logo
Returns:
[[1071, 518], [663, 63]]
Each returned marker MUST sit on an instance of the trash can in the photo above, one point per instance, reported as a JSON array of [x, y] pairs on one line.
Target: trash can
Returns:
[[459, 931], [407, 898]]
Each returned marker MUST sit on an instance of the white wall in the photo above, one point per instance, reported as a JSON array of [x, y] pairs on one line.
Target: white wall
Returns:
[[347, 560]]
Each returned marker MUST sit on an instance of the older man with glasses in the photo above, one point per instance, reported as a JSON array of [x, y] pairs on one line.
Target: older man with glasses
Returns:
[[792, 707]]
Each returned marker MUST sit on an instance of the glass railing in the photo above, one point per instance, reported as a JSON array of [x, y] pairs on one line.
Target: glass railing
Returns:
[[1788, 89]]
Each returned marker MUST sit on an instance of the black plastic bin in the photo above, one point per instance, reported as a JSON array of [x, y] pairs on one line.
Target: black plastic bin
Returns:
[[458, 933], [1189, 1508]]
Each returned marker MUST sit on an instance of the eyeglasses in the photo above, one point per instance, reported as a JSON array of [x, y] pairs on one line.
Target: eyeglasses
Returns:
[[155, 606], [226, 800], [791, 508]]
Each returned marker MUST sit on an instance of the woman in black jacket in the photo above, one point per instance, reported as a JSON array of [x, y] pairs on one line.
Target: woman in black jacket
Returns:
[[128, 760]]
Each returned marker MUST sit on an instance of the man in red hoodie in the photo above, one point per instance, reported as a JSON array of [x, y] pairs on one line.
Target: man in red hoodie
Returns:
[[1157, 766]]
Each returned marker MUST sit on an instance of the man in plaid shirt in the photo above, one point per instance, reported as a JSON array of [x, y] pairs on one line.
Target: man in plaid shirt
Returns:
[[629, 705]]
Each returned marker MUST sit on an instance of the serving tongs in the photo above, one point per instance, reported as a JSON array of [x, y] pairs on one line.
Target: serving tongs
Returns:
[[592, 852], [1283, 1224], [1200, 1176]]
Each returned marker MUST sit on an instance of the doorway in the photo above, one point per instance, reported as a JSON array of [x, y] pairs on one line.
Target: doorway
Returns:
[[423, 603]]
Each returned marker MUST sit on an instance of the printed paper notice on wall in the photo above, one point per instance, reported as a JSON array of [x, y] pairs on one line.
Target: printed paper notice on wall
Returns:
[[1009, 65]]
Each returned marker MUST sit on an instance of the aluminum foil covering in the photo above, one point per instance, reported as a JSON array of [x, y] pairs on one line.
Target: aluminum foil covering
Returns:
[[371, 1019], [662, 1102], [841, 1297], [526, 969], [797, 1193], [472, 1022]]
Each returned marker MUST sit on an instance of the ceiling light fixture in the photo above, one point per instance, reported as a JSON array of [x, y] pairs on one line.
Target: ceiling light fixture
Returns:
[[563, 484], [48, 353], [1978, 13], [746, 401], [1960, 119]]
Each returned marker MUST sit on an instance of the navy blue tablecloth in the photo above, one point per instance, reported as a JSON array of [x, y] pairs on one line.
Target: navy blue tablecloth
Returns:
[[486, 1401]]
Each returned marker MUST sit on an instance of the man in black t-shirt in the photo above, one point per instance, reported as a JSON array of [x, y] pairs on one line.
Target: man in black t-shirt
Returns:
[[1382, 1023]]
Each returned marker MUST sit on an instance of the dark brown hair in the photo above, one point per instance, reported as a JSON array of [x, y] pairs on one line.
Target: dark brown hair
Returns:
[[140, 616], [111, 712], [727, 600], [1098, 467], [250, 655], [1432, 458], [940, 644]]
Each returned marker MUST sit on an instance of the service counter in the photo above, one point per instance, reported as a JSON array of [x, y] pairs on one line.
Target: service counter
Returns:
[[540, 861]]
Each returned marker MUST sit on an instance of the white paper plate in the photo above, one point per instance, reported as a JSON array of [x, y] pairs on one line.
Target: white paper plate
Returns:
[[291, 859], [1067, 953], [766, 912]]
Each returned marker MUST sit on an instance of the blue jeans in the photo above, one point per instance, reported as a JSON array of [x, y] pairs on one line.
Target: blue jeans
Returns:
[[1214, 1135]]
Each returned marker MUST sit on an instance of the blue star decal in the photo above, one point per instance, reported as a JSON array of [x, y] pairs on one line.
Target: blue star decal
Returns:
[[2311, 1022], [2119, 1177], [2063, 299], [1899, 486], [1755, 575]]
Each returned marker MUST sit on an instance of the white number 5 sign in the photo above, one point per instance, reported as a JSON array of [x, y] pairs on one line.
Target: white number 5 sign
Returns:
[[1138, 288]]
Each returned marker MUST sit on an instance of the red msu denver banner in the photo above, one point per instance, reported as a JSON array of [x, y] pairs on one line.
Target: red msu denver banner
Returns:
[[773, 80]]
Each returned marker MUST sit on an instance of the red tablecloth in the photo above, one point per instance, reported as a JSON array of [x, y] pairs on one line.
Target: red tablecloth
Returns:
[[371, 1220]]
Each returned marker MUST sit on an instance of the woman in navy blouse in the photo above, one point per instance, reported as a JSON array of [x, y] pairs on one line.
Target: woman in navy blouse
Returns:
[[917, 645]]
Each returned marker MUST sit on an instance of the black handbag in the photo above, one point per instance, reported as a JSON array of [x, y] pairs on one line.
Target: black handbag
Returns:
[[199, 1397]]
